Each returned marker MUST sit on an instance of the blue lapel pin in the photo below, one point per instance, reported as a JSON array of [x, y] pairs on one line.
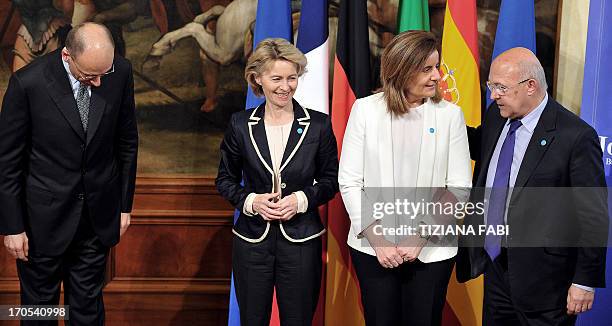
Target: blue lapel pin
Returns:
[[300, 131], [431, 130], [543, 142]]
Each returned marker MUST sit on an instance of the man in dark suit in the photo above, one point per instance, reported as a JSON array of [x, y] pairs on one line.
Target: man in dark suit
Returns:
[[545, 271], [68, 147]]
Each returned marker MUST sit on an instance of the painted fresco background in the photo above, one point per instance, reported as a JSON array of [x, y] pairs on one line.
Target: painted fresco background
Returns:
[[189, 55]]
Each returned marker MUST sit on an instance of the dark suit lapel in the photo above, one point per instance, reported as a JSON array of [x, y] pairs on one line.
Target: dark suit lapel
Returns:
[[259, 140], [542, 138], [60, 91], [491, 133], [299, 129], [97, 104]]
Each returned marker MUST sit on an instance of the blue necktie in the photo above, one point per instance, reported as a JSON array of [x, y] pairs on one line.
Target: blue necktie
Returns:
[[499, 191]]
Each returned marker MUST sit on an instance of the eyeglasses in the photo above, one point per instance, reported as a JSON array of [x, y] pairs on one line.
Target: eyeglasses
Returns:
[[87, 77], [502, 89]]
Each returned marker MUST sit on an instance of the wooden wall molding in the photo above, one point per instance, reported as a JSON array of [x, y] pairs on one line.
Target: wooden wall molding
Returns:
[[173, 265], [169, 285]]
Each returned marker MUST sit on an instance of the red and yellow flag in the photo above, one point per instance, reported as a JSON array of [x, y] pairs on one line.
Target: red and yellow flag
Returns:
[[459, 62], [461, 85], [351, 81]]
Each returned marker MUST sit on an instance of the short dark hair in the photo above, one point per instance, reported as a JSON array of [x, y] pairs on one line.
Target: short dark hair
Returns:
[[75, 41]]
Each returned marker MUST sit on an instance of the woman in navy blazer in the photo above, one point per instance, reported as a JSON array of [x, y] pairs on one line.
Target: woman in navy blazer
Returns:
[[287, 158]]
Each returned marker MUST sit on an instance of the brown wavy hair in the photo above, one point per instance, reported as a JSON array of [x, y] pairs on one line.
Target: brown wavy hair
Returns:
[[403, 58]]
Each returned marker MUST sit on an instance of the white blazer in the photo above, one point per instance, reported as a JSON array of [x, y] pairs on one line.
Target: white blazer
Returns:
[[367, 160]]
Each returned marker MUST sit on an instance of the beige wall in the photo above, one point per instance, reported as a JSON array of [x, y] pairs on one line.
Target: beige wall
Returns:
[[572, 48]]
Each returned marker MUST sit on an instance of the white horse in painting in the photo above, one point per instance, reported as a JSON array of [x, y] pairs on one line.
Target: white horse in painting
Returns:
[[220, 47]]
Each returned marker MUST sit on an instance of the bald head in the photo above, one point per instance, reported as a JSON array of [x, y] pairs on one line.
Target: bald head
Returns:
[[522, 63], [517, 82], [89, 37], [90, 52]]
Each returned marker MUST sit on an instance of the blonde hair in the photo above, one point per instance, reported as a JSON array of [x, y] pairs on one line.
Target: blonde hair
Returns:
[[403, 58], [268, 51]]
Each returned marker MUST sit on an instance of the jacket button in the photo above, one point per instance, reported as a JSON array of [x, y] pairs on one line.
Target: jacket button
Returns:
[[81, 196], [283, 185]]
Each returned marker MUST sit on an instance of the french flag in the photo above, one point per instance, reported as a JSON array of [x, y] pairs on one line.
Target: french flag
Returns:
[[313, 41], [313, 93]]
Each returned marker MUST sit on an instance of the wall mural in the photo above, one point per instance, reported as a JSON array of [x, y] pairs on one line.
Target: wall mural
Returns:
[[189, 55]]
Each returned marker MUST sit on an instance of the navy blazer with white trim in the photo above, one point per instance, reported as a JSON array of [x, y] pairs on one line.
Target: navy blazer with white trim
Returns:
[[311, 155]]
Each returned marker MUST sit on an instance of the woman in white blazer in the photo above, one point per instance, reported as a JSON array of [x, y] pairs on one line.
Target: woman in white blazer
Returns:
[[404, 136]]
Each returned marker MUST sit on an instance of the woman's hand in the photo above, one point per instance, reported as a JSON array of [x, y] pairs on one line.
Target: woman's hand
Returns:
[[264, 205], [388, 256], [410, 248], [386, 252], [288, 207]]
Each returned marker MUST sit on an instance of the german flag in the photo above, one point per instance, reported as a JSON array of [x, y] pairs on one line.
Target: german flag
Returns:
[[352, 80]]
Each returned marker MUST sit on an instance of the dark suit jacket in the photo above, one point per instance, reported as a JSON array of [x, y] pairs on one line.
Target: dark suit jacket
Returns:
[[311, 154], [563, 153], [50, 169]]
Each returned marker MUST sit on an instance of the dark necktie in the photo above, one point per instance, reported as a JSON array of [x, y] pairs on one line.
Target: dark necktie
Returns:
[[499, 191], [83, 104]]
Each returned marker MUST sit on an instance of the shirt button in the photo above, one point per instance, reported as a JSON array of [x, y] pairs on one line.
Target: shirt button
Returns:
[[283, 185]]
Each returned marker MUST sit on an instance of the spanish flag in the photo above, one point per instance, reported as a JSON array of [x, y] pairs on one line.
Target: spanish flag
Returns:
[[352, 80], [459, 64], [460, 84]]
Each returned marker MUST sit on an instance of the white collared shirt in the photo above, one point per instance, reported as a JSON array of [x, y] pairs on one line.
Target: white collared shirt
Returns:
[[74, 83]]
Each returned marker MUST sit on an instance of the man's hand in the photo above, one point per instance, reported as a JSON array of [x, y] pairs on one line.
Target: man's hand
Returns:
[[288, 207], [17, 245], [125, 223], [264, 205], [579, 300]]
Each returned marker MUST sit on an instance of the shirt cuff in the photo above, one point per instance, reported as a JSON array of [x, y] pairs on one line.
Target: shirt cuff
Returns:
[[302, 201], [586, 288], [247, 209]]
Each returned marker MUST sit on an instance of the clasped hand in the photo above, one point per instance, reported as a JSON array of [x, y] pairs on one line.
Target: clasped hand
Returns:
[[390, 255], [282, 210]]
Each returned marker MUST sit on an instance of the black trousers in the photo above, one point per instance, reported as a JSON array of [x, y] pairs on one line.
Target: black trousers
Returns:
[[81, 268], [294, 268], [498, 308], [411, 294]]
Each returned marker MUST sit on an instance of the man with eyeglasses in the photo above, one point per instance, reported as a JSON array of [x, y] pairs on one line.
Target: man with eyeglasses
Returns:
[[532, 150], [68, 147]]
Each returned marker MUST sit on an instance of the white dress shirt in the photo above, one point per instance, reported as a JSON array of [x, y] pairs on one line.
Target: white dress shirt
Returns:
[[74, 83]]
